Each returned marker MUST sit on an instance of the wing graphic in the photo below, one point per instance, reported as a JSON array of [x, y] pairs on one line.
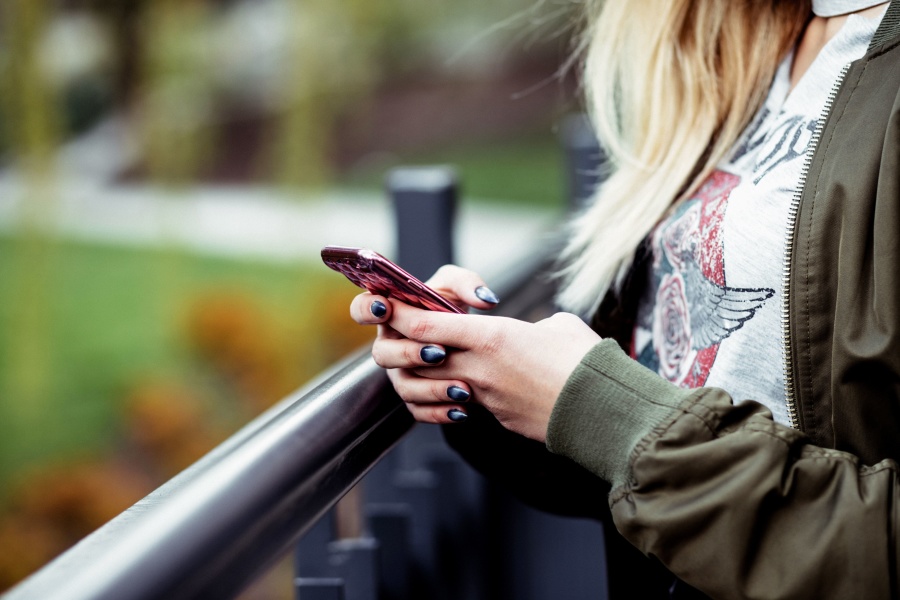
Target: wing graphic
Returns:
[[718, 311]]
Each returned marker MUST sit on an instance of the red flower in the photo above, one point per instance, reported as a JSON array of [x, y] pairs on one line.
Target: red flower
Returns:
[[672, 329]]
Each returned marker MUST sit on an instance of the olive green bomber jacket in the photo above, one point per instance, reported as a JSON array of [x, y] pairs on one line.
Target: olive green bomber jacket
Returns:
[[731, 502]]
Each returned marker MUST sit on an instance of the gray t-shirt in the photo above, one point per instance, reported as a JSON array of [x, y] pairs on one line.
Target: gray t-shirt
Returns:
[[831, 8], [711, 313]]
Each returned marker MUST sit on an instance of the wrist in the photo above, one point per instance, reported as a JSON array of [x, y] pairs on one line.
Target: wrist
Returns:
[[609, 403]]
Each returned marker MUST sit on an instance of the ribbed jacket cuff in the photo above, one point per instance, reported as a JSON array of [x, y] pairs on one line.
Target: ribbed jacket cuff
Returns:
[[608, 405]]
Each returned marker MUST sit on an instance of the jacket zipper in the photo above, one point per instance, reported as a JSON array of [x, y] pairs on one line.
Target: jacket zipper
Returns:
[[789, 388]]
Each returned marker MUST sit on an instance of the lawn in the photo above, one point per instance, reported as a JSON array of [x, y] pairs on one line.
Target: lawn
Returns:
[[86, 322]]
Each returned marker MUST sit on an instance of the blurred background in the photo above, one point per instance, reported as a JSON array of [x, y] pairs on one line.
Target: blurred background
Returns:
[[169, 170]]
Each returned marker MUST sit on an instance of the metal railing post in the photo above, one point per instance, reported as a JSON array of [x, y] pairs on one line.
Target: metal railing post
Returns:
[[585, 159], [324, 588], [424, 200], [425, 203], [355, 562], [390, 524]]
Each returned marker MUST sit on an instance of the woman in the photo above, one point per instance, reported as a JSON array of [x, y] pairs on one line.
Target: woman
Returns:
[[745, 247]]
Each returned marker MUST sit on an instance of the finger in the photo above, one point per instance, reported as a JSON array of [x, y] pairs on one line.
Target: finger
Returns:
[[447, 329], [423, 391], [402, 353], [431, 401], [443, 414], [369, 309], [464, 285]]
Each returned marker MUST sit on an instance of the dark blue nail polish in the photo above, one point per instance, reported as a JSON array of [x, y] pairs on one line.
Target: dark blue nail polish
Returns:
[[378, 308], [454, 392], [432, 354], [457, 415], [487, 295]]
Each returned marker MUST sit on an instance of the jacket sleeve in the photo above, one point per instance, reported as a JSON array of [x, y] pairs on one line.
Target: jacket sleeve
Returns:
[[733, 503]]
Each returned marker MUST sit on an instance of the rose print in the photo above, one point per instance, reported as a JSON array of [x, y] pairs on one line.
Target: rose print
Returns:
[[689, 309], [672, 329]]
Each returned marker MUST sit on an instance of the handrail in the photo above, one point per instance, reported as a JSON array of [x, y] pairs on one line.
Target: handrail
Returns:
[[212, 529]]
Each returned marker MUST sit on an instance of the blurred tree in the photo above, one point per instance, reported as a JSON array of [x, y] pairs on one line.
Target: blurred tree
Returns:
[[31, 117], [175, 96]]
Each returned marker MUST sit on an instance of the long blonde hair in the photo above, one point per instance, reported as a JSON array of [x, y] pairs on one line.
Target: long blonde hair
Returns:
[[669, 86]]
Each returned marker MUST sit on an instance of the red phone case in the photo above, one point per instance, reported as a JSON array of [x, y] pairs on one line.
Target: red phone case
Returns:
[[373, 272]]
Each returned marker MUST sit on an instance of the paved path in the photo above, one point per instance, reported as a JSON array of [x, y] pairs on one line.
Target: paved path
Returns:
[[255, 222]]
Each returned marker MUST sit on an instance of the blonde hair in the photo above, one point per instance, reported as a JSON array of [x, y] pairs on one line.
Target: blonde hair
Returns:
[[670, 86]]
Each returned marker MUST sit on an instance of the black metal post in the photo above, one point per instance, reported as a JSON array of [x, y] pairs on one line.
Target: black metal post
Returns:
[[424, 201], [390, 524], [585, 159], [321, 588], [355, 561]]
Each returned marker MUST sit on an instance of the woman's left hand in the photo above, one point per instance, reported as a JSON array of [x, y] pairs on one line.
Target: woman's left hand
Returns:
[[514, 368]]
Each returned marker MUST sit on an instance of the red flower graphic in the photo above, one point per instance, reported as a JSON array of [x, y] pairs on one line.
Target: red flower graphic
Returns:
[[672, 329]]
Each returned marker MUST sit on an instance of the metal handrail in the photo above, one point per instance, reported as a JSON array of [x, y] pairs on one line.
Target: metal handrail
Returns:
[[211, 529], [215, 527]]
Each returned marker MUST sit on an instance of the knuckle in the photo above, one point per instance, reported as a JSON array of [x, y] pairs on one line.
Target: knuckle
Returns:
[[378, 354], [421, 328], [493, 338], [484, 380], [423, 414], [437, 414], [411, 354], [439, 391]]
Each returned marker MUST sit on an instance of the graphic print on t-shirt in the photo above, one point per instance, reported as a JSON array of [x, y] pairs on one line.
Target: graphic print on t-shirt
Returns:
[[786, 140], [691, 309]]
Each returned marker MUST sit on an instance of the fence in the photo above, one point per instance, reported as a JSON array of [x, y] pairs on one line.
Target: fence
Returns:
[[420, 525]]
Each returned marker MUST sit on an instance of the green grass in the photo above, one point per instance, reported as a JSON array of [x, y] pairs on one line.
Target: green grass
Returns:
[[88, 320], [527, 171]]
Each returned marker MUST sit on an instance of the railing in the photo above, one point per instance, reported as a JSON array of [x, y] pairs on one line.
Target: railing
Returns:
[[218, 525], [211, 529]]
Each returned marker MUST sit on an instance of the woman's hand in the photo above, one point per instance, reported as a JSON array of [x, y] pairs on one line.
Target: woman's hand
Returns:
[[460, 286], [437, 361]]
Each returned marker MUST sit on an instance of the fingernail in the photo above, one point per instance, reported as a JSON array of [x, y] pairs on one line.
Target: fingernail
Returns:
[[454, 392], [432, 354], [486, 294], [457, 415], [378, 308]]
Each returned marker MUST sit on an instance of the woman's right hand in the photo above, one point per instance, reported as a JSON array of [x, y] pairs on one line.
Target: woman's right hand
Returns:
[[438, 361], [464, 288]]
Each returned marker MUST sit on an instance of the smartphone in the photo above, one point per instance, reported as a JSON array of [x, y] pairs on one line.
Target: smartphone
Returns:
[[373, 272]]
